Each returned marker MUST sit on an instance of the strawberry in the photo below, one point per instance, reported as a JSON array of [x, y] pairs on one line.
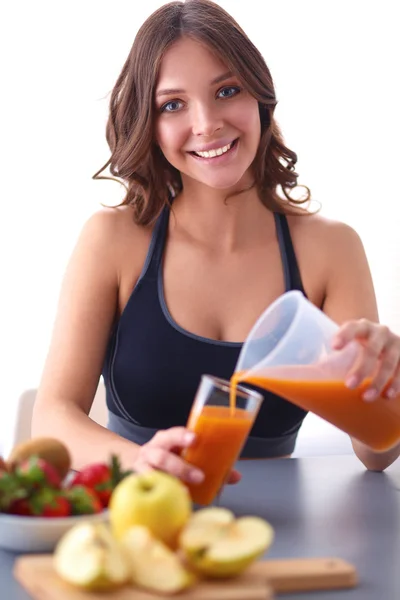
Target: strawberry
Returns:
[[20, 507], [101, 478], [49, 502], [83, 500], [35, 472], [11, 490]]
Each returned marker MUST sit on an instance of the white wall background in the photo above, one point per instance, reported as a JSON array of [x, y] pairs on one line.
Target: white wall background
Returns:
[[335, 66]]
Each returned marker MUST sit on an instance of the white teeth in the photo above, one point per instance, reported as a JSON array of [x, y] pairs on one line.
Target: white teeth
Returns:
[[216, 152]]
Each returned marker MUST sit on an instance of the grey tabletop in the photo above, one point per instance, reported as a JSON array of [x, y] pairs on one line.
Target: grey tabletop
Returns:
[[319, 506]]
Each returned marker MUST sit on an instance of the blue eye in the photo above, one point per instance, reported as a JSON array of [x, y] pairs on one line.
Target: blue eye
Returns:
[[171, 106], [229, 92]]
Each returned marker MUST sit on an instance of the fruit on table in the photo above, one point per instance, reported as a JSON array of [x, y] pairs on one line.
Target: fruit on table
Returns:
[[83, 500], [154, 566], [216, 544], [11, 490], [33, 488], [89, 557], [49, 503], [40, 465], [50, 449], [35, 472], [20, 507], [46, 502], [154, 499], [102, 478]]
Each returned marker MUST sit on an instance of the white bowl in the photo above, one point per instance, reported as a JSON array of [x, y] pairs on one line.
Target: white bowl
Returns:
[[39, 534]]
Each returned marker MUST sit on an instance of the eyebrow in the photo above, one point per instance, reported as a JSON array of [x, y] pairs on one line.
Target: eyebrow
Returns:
[[219, 79]]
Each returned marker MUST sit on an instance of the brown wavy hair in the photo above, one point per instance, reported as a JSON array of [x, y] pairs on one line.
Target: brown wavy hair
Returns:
[[137, 161]]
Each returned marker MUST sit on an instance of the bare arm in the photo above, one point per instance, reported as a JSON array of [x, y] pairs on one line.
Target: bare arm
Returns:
[[89, 302], [87, 308], [350, 295]]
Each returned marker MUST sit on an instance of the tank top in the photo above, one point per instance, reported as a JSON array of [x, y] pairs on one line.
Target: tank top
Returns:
[[153, 366]]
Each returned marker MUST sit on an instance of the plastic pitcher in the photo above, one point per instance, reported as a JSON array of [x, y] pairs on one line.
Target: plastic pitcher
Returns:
[[289, 352]]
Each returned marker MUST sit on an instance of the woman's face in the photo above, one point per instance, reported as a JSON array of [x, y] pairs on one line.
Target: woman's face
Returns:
[[208, 125]]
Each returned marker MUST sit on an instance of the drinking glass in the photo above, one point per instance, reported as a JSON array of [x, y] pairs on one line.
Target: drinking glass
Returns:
[[221, 424]]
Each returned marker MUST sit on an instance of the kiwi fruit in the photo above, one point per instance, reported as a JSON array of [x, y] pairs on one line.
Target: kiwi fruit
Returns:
[[50, 449]]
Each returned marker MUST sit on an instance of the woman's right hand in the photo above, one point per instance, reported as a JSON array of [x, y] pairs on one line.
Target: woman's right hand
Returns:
[[162, 453]]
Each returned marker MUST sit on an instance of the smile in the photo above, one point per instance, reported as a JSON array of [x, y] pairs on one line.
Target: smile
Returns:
[[215, 152]]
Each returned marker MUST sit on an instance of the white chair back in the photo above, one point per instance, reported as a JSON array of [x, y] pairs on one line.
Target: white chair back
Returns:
[[19, 430]]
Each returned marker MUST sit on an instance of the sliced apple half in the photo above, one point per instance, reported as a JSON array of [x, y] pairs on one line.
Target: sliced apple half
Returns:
[[204, 528], [213, 514], [89, 557], [216, 544], [154, 566]]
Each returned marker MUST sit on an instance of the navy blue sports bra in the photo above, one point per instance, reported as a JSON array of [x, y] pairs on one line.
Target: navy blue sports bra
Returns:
[[153, 367]]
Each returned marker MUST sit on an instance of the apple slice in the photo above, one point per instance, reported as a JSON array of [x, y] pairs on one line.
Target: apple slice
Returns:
[[154, 566], [204, 528], [216, 544], [89, 557]]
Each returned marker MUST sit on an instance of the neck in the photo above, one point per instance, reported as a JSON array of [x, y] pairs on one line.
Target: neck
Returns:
[[206, 217]]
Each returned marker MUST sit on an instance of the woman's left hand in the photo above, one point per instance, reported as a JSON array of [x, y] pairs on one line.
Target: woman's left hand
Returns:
[[234, 477], [379, 359]]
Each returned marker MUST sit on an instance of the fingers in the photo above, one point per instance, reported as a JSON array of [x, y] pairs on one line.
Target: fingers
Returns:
[[234, 477], [351, 330], [385, 373], [175, 438], [367, 361], [161, 453], [393, 389], [161, 459], [379, 358]]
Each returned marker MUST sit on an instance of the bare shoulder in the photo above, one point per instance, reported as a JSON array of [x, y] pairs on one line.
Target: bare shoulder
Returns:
[[114, 224], [312, 232], [117, 248], [322, 227], [333, 252], [324, 247], [113, 233]]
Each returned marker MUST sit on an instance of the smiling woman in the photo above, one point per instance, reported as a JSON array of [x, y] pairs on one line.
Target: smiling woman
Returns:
[[230, 81], [167, 286]]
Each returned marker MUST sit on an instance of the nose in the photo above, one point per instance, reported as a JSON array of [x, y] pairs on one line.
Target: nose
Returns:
[[206, 120]]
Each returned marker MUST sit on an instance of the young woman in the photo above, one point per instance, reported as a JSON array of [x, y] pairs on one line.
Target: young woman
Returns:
[[167, 286]]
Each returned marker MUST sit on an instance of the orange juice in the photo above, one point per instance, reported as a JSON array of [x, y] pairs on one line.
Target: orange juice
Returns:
[[220, 435], [376, 423]]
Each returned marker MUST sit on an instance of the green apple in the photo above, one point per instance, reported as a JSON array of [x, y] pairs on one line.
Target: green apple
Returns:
[[154, 499], [154, 566], [216, 544], [89, 557]]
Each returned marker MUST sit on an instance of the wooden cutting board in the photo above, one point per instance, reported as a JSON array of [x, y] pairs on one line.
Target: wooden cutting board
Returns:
[[259, 582]]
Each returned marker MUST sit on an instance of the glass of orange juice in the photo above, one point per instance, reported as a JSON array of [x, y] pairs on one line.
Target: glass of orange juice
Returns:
[[222, 423]]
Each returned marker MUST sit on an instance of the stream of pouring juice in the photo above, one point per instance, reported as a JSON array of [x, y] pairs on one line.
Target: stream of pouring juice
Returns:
[[376, 423]]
